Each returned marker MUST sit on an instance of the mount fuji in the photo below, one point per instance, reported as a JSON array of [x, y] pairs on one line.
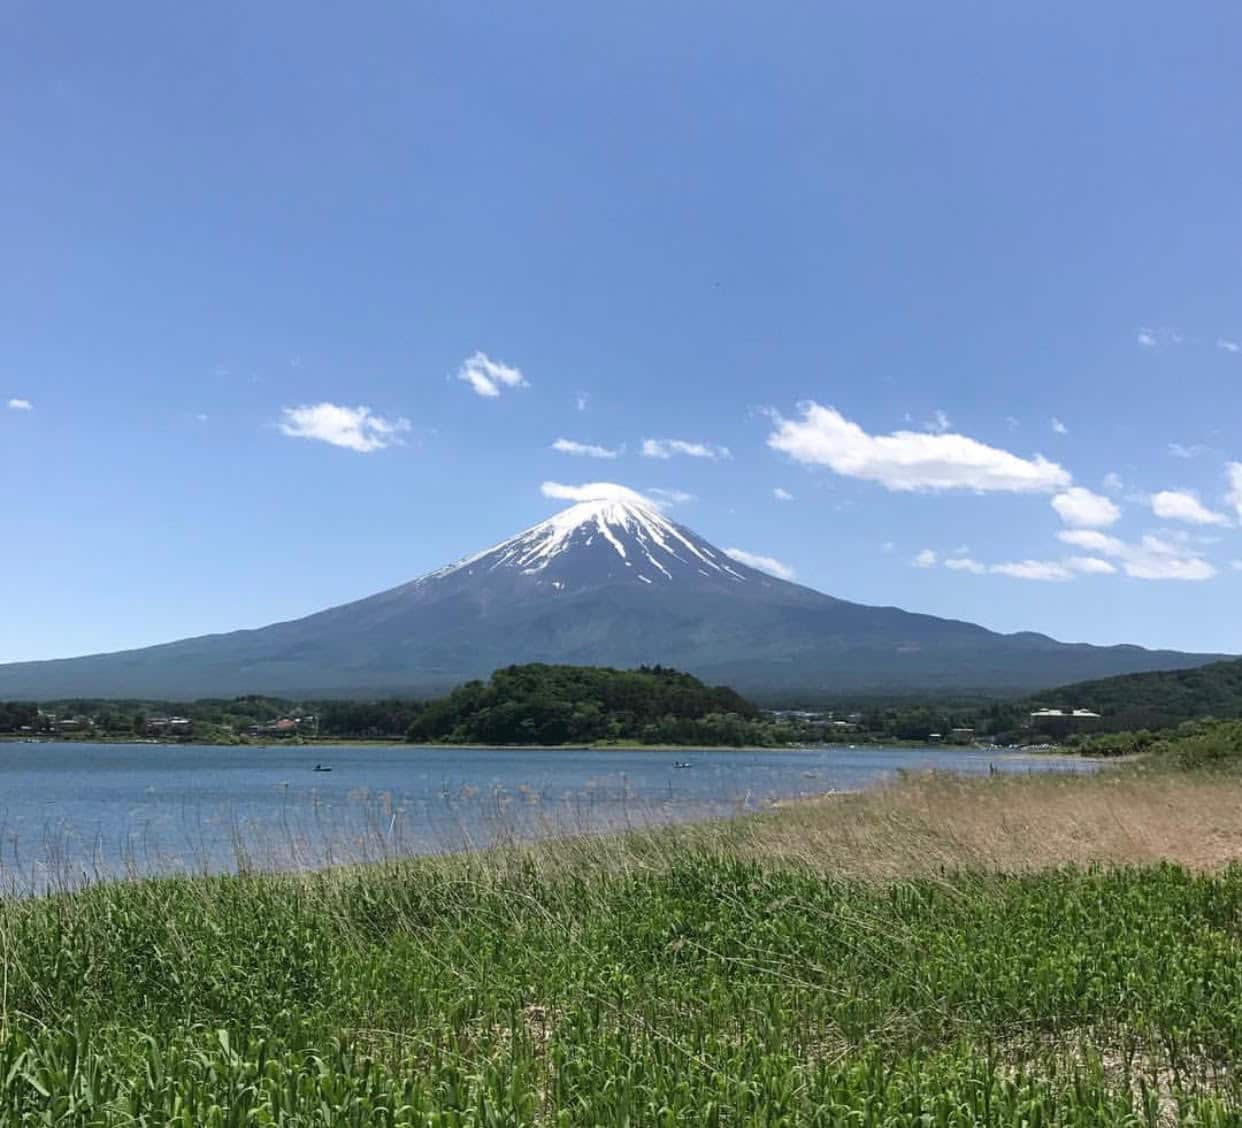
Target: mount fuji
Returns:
[[608, 581]]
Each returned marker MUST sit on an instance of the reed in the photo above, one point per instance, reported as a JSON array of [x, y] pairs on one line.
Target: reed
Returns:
[[995, 951]]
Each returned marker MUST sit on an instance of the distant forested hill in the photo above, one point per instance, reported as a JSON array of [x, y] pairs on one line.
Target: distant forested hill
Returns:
[[543, 704], [1156, 700]]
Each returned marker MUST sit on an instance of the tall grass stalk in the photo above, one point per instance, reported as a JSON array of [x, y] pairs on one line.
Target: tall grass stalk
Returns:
[[746, 972]]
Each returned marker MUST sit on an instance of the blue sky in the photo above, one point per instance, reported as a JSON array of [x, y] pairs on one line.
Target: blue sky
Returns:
[[962, 281]]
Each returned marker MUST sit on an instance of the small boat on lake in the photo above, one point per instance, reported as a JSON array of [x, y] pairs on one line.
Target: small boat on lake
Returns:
[[322, 768]]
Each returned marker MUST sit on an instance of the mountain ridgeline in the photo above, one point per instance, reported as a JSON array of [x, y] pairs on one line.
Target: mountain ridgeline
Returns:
[[540, 704], [612, 582]]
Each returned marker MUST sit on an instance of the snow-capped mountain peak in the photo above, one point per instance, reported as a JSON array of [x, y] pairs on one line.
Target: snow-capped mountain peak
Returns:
[[616, 537]]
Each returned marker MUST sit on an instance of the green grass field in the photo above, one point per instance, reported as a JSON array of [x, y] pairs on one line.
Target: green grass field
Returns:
[[917, 956], [685, 988]]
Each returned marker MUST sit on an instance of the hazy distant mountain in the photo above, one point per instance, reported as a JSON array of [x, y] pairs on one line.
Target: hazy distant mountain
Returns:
[[608, 582]]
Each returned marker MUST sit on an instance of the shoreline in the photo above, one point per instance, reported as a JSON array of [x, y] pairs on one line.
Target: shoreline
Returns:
[[600, 746]]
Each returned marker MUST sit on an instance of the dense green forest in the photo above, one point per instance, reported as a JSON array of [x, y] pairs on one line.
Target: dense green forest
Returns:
[[1127, 704], [1159, 700], [538, 704]]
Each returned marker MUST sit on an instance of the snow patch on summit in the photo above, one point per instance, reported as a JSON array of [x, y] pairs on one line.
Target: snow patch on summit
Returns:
[[635, 529]]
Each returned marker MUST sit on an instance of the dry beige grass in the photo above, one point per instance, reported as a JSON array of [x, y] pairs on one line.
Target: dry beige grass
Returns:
[[927, 825], [932, 824]]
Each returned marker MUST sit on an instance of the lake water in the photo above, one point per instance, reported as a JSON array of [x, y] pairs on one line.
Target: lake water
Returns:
[[70, 811]]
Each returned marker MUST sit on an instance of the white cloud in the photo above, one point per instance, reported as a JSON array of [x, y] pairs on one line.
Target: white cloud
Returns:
[[887, 546], [582, 401], [767, 564], [592, 491], [1227, 345], [925, 559], [586, 450], [356, 428], [201, 416], [1147, 338], [19, 404], [489, 377], [1082, 508], [1234, 497], [1093, 541], [965, 564], [908, 460], [666, 448], [1113, 482], [939, 423], [1236, 565], [1047, 570], [1090, 566], [782, 494], [1180, 450], [1059, 427], [1153, 565], [1153, 558], [1183, 505], [665, 498]]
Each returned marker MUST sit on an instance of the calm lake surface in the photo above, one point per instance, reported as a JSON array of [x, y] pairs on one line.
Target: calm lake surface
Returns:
[[70, 811]]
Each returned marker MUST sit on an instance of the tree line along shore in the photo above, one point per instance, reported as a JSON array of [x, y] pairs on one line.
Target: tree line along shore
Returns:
[[574, 705]]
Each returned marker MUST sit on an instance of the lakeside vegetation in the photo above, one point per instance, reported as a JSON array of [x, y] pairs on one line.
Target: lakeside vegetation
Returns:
[[899, 957], [525, 705], [541, 704]]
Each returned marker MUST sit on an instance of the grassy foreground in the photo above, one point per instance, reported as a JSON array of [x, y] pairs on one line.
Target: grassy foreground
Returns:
[[869, 960]]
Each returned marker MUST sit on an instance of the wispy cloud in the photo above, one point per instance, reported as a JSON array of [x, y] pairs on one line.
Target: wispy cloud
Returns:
[[1226, 345], [909, 460], [1090, 566], [1041, 570], [1049, 571], [1234, 497], [767, 564], [1147, 338], [356, 428], [669, 497], [582, 401], [585, 450], [666, 448], [19, 404], [1184, 505], [782, 494], [1152, 558], [1086, 510], [490, 377], [592, 491], [965, 564], [939, 423], [1113, 482], [1057, 426], [1180, 450], [925, 559]]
